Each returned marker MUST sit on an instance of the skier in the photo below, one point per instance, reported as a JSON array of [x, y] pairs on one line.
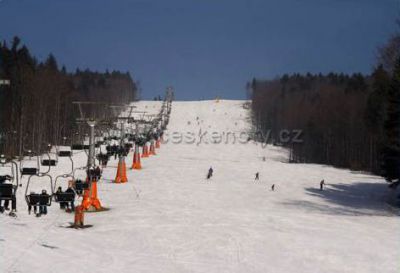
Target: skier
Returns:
[[70, 190], [43, 206], [62, 204], [273, 187], [30, 207], [6, 202], [321, 185], [210, 173], [257, 176]]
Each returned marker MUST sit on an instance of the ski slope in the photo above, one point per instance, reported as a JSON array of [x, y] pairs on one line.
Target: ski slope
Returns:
[[169, 218]]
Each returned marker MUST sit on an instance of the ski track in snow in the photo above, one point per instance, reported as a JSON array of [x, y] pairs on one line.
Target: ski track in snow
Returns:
[[169, 218]]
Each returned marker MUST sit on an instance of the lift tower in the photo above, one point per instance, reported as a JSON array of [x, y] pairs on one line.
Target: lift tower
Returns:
[[92, 114]]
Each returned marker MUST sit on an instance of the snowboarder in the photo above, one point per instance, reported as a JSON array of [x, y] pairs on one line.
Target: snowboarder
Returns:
[[321, 185], [257, 176], [210, 173], [273, 187]]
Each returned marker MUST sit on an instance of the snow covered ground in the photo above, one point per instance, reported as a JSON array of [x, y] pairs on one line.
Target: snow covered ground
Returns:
[[169, 218]]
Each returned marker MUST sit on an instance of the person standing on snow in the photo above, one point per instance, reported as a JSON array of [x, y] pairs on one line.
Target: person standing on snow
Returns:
[[273, 187], [257, 176], [210, 173], [321, 185]]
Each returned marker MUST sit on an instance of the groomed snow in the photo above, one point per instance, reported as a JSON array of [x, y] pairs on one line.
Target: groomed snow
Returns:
[[169, 218]]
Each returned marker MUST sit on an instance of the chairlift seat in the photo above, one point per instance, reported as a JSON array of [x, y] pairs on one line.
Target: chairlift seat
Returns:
[[128, 145], [36, 199], [64, 153], [77, 147], [64, 197], [80, 186], [6, 191], [29, 171], [49, 162]]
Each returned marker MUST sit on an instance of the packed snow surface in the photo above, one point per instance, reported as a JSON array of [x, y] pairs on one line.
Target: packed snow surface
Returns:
[[169, 218]]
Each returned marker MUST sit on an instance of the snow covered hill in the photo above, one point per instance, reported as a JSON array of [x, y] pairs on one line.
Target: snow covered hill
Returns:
[[169, 218]]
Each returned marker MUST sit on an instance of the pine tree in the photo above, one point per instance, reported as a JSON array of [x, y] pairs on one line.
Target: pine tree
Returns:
[[391, 149], [375, 113]]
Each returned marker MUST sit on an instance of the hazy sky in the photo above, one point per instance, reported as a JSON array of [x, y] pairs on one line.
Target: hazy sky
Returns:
[[203, 48]]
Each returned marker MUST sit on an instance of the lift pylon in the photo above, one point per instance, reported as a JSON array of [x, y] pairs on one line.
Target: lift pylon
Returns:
[[93, 114]]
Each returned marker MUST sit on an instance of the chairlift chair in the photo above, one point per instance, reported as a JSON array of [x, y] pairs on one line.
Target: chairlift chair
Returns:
[[39, 199], [80, 184], [64, 151], [8, 190], [29, 165], [63, 196], [77, 146], [51, 158]]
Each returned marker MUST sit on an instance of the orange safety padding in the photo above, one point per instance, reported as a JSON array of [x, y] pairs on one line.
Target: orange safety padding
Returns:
[[90, 200], [145, 151], [152, 149], [136, 161], [79, 216], [121, 172]]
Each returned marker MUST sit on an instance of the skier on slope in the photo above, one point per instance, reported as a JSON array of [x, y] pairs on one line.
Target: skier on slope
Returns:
[[321, 185], [210, 173], [257, 176]]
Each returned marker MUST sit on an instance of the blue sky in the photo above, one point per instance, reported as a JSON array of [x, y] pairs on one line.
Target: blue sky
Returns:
[[204, 48]]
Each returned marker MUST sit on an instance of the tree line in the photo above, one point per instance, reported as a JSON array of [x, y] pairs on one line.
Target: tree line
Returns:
[[349, 121], [36, 108]]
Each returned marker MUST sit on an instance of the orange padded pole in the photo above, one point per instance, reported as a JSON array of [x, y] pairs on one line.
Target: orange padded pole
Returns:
[[90, 200], [136, 159], [158, 143], [121, 171], [152, 149], [145, 151]]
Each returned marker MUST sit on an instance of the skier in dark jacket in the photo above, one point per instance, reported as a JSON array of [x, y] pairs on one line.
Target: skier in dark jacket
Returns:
[[42, 204], [62, 204], [3, 179], [70, 190], [321, 185], [210, 173], [257, 176]]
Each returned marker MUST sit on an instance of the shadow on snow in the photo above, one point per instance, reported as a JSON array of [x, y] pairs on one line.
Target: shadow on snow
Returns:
[[357, 199]]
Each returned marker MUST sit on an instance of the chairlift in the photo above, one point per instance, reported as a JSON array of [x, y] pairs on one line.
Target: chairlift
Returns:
[[80, 184], [39, 199], [8, 190], [29, 165], [64, 151], [78, 147], [64, 196], [52, 157]]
